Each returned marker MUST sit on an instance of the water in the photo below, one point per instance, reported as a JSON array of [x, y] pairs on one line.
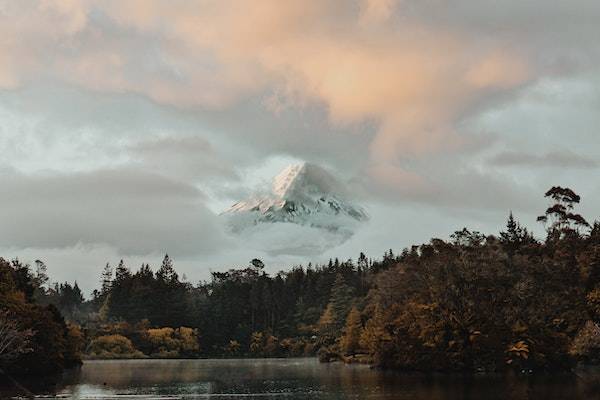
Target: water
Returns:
[[294, 379]]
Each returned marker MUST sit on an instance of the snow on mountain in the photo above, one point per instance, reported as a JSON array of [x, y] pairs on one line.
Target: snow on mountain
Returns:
[[304, 195]]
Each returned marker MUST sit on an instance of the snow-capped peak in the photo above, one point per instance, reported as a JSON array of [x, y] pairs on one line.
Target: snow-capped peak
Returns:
[[303, 194], [286, 178]]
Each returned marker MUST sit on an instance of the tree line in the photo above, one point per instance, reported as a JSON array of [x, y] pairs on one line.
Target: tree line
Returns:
[[35, 339], [473, 303]]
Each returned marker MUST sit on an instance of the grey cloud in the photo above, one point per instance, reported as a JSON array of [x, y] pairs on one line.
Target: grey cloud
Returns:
[[553, 26], [134, 211], [304, 132], [160, 154], [455, 187], [556, 159], [190, 157]]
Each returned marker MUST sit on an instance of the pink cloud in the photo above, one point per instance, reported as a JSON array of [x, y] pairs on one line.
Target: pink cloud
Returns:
[[412, 79]]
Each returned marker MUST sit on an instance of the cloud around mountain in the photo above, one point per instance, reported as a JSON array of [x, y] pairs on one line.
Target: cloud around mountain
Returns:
[[306, 212]]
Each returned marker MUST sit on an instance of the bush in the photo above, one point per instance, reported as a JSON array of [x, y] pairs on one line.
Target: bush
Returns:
[[328, 354], [233, 347], [293, 347], [113, 346], [171, 343]]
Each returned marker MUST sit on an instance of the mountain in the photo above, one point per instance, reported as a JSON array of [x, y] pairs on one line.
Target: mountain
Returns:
[[304, 195]]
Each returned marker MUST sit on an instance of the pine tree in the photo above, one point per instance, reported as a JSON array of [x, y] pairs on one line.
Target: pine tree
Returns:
[[514, 235], [172, 292], [166, 273], [122, 272], [106, 279], [362, 262], [512, 229], [120, 293], [77, 294], [340, 302]]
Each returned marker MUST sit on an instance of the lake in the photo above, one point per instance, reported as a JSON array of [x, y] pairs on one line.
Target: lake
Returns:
[[295, 379]]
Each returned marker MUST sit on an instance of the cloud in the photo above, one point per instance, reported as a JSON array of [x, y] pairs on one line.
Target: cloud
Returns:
[[414, 79], [562, 159], [190, 158], [134, 211], [418, 103], [376, 11], [406, 73], [455, 188]]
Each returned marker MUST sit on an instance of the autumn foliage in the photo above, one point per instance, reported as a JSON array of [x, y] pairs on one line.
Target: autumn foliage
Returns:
[[473, 303]]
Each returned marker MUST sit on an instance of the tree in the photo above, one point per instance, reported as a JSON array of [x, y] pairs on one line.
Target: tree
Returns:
[[465, 237], [33, 336], [333, 318], [514, 236], [350, 342], [41, 273], [173, 293], [342, 297], [69, 299], [362, 262], [166, 273], [14, 340], [121, 272], [560, 213], [257, 264], [106, 279], [327, 325], [118, 297]]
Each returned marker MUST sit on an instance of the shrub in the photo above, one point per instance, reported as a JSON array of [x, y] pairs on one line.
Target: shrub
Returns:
[[172, 343], [113, 346]]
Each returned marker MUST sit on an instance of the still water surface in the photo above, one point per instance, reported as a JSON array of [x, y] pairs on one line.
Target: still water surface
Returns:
[[295, 379]]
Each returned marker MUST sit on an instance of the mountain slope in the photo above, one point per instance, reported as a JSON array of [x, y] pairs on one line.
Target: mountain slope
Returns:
[[303, 194]]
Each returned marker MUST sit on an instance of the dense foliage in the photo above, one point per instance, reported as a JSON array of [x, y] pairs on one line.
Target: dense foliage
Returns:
[[239, 312], [472, 303], [34, 338]]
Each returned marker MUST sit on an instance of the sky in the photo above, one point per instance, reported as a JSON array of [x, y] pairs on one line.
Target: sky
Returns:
[[127, 126]]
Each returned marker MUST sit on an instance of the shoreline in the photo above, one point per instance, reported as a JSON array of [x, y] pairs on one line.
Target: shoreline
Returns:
[[579, 371]]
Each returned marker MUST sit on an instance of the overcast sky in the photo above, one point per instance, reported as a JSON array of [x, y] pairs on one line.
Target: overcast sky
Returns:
[[126, 126]]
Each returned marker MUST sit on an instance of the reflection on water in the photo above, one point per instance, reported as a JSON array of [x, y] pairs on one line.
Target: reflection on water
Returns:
[[295, 379]]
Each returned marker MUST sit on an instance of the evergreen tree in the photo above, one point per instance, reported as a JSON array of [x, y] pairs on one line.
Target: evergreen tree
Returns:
[[122, 273], [166, 273], [341, 299], [362, 262], [172, 292], [118, 300], [106, 279], [514, 236]]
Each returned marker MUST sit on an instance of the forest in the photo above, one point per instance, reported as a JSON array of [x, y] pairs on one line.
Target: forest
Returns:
[[472, 303]]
